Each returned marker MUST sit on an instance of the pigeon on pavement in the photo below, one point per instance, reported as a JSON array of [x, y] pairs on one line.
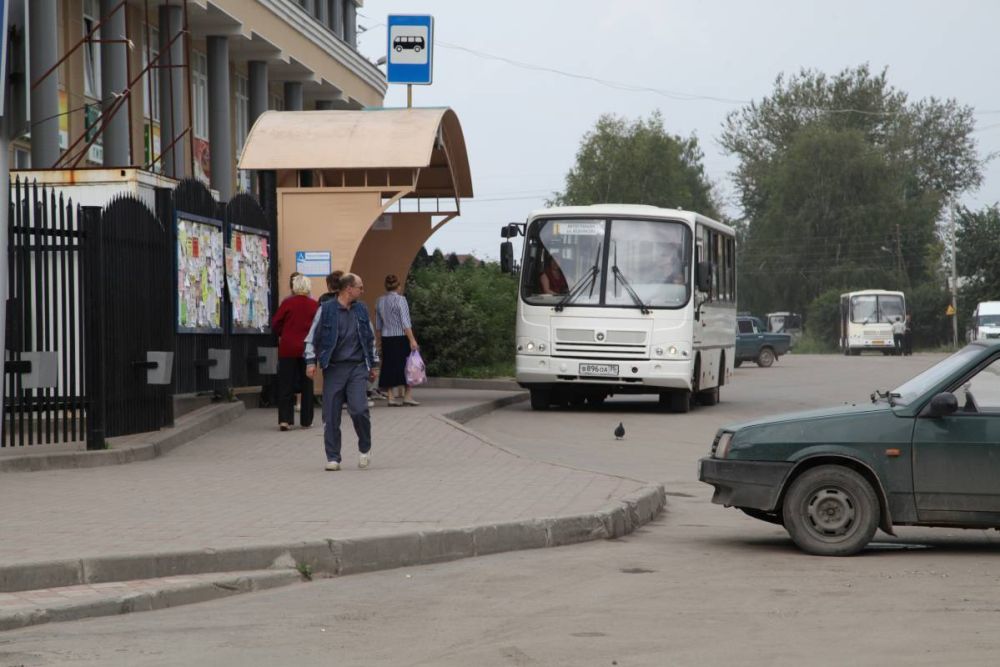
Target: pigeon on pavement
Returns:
[[619, 431]]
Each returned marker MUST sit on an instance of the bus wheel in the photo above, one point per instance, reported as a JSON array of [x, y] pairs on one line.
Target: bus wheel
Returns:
[[678, 400], [709, 396], [540, 399]]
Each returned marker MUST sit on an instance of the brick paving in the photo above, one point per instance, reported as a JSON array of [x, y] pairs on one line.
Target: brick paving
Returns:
[[248, 484]]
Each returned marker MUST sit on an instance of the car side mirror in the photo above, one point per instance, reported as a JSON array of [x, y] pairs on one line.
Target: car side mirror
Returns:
[[507, 257], [703, 277], [942, 405]]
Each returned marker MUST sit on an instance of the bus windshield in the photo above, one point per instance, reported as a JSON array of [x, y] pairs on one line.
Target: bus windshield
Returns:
[[989, 320], [618, 262], [871, 308]]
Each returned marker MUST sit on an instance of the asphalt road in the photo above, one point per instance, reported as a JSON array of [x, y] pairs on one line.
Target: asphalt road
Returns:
[[702, 585]]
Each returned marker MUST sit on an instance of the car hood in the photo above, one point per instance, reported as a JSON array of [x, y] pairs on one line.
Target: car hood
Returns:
[[848, 409], [789, 436]]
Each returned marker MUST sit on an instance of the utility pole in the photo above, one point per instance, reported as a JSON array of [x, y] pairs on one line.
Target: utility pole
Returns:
[[954, 280]]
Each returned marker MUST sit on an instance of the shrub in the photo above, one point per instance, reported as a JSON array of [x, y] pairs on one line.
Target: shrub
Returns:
[[463, 318]]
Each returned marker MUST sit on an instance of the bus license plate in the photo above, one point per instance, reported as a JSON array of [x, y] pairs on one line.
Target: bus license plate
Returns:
[[877, 342], [599, 370]]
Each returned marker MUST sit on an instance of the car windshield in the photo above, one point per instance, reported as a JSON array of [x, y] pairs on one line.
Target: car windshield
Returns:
[[921, 384], [871, 308], [650, 258], [646, 264]]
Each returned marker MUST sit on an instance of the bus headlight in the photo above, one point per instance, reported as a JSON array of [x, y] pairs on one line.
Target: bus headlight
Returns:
[[531, 346]]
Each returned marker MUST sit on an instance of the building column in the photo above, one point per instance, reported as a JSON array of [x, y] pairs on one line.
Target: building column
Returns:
[[351, 23], [114, 81], [293, 96], [43, 53], [257, 74], [337, 16], [323, 12], [172, 93], [310, 6], [219, 126]]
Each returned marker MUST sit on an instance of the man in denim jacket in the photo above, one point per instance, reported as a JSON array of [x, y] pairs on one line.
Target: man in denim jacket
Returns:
[[341, 342]]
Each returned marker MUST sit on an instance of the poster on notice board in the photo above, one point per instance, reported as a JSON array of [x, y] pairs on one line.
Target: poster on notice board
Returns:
[[200, 274], [248, 272]]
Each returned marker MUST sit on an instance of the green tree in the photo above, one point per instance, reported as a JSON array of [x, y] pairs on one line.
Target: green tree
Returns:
[[638, 162], [977, 247], [842, 180]]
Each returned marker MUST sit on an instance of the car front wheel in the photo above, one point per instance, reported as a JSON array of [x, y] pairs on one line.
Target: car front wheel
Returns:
[[765, 357], [831, 510]]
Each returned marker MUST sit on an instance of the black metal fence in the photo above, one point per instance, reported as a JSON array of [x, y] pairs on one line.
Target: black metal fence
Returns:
[[92, 291], [44, 397], [128, 277]]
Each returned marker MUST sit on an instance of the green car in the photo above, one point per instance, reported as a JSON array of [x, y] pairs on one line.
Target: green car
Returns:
[[925, 454]]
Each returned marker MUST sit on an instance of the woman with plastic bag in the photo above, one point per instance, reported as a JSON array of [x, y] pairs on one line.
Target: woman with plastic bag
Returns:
[[392, 323]]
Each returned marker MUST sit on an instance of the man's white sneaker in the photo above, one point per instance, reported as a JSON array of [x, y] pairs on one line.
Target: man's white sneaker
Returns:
[[364, 460], [332, 466]]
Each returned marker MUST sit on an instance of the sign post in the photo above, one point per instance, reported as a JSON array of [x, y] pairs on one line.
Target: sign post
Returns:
[[410, 49]]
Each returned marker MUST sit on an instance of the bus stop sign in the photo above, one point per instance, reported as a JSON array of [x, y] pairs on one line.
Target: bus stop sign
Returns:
[[410, 49]]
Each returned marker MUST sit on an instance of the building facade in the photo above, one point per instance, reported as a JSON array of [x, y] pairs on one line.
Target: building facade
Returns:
[[173, 86]]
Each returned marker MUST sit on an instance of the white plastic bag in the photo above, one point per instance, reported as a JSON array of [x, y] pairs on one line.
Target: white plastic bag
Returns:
[[416, 372]]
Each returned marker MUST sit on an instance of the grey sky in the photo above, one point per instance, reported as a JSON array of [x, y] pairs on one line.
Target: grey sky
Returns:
[[523, 127]]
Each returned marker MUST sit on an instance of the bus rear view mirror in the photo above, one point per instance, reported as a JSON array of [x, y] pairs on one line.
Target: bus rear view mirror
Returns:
[[507, 257], [703, 277]]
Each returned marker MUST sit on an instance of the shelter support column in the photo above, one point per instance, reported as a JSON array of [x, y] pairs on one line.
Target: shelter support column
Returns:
[[219, 136]]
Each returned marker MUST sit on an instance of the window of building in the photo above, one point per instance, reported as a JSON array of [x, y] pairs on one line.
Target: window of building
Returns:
[[91, 50], [199, 94], [151, 80], [277, 103], [242, 111], [22, 158], [242, 126]]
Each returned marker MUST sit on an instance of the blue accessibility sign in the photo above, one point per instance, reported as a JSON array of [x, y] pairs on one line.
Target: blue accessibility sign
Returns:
[[411, 49]]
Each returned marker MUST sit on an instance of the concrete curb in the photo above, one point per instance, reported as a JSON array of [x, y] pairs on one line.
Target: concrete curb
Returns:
[[131, 448], [492, 384], [337, 557], [162, 598], [473, 411]]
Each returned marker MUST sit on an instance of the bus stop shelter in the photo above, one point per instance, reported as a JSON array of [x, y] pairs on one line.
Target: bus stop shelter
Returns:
[[368, 187]]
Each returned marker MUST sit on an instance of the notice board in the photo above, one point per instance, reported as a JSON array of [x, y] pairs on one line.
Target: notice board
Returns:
[[248, 277], [200, 274]]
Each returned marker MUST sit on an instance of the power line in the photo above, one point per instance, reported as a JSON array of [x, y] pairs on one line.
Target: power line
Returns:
[[639, 88]]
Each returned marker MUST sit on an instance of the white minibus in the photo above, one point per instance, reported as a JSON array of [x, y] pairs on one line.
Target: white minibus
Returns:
[[624, 299], [866, 318]]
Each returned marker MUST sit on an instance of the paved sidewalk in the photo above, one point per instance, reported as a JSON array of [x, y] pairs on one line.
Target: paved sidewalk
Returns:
[[248, 484]]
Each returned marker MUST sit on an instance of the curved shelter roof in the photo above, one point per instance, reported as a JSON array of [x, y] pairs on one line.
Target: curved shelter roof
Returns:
[[430, 140]]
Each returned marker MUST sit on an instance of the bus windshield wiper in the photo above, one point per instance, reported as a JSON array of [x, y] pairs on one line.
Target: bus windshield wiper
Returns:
[[588, 279], [628, 288]]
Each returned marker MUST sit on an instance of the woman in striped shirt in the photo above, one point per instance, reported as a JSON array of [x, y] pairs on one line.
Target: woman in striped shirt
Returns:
[[392, 323]]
